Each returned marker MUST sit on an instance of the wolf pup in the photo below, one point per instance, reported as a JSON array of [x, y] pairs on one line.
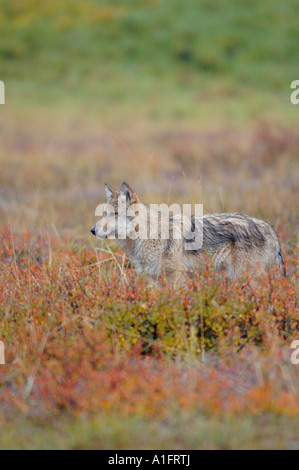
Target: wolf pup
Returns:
[[236, 242]]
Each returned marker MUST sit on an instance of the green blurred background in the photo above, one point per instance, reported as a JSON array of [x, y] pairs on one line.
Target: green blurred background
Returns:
[[197, 60]]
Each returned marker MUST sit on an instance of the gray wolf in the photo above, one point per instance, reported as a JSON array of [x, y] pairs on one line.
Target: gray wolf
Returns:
[[236, 243]]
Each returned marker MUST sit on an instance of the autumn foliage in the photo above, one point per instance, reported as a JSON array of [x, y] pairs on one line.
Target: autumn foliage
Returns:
[[84, 334]]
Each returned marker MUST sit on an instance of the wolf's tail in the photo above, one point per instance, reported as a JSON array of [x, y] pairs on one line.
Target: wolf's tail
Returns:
[[280, 261]]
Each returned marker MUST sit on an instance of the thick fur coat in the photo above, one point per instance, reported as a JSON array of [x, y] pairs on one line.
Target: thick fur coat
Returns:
[[236, 243]]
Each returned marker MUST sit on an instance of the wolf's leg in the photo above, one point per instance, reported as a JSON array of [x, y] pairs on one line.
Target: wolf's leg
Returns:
[[152, 283], [221, 256], [174, 277]]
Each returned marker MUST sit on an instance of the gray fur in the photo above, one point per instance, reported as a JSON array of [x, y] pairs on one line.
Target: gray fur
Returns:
[[236, 242]]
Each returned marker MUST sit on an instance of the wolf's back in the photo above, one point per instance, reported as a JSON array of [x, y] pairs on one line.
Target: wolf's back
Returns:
[[239, 241]]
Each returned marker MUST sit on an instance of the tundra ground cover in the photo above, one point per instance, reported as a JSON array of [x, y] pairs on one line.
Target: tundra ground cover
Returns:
[[84, 336]]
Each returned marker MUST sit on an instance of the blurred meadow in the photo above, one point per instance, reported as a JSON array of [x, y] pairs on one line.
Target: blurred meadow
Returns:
[[188, 102]]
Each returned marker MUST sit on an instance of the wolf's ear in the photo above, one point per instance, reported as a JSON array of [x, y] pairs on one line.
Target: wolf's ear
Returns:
[[131, 196], [109, 191]]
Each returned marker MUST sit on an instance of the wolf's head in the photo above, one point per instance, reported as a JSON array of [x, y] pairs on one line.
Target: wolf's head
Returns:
[[114, 219]]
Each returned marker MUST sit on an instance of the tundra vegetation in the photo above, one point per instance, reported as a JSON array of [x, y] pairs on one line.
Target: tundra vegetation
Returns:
[[190, 102]]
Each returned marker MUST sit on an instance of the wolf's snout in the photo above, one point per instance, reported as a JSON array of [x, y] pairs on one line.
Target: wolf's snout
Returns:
[[93, 230]]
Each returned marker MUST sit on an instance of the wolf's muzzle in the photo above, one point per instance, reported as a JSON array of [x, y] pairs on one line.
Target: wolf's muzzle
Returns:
[[93, 230]]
